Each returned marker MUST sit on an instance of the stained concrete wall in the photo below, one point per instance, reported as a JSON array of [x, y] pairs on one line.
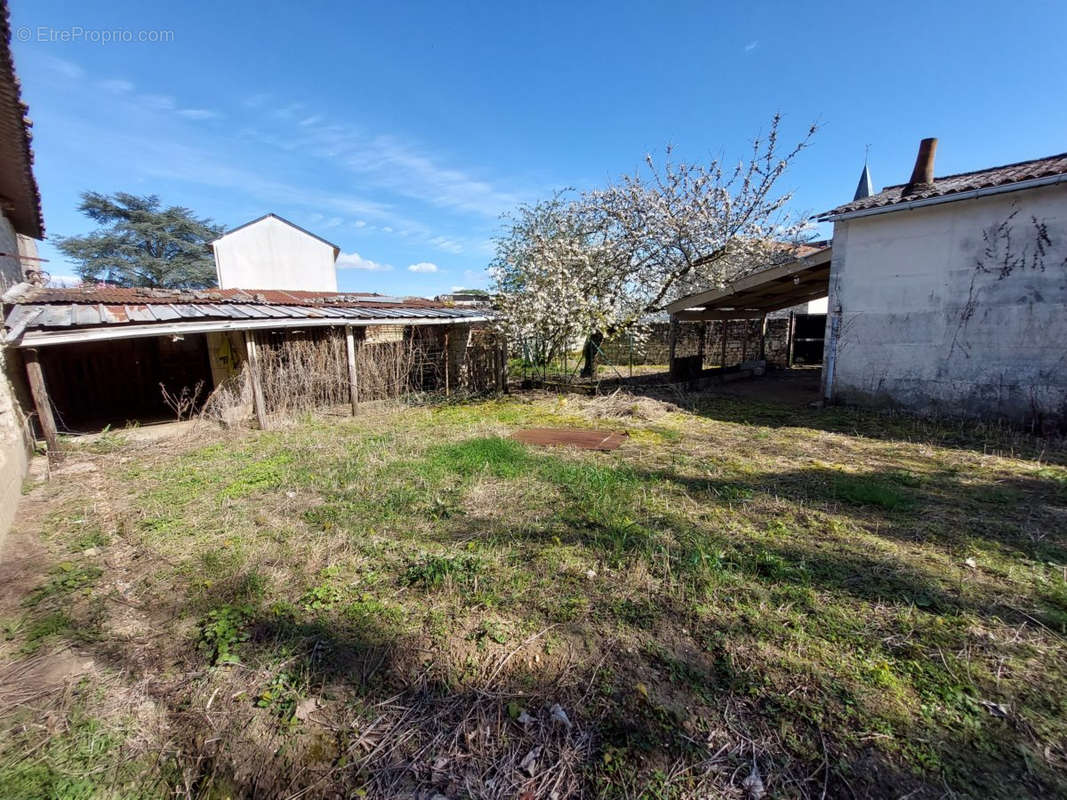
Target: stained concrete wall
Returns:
[[958, 308], [272, 254]]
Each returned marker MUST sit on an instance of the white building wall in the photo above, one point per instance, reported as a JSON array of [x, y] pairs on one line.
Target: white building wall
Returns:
[[272, 254], [954, 308], [817, 306]]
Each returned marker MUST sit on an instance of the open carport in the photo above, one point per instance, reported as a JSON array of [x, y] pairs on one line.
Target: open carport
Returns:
[[753, 297]]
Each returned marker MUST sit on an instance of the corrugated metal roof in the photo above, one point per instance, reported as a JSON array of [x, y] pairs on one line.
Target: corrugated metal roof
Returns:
[[120, 294], [93, 308], [955, 184]]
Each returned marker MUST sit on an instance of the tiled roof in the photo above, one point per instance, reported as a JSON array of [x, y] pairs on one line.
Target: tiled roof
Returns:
[[17, 183], [811, 248], [955, 184]]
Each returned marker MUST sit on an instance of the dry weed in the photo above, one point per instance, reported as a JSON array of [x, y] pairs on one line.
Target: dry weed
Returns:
[[622, 405]]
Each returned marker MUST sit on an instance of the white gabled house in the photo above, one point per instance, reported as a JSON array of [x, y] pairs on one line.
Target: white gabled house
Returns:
[[273, 253]]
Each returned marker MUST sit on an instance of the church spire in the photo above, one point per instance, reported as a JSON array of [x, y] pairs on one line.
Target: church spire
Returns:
[[864, 187]]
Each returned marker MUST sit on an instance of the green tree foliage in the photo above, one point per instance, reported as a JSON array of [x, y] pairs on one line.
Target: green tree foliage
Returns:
[[140, 243]]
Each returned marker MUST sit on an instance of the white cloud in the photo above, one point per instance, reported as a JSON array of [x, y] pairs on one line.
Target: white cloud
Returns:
[[423, 266], [446, 244], [157, 102], [288, 111], [163, 157], [198, 113], [332, 222], [356, 261], [752, 45], [116, 85], [68, 69], [389, 162], [175, 161]]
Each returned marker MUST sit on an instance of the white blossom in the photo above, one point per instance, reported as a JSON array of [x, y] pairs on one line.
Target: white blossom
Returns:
[[600, 262]]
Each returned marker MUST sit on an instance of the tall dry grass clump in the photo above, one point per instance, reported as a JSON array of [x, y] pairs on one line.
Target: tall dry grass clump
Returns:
[[387, 369], [231, 402], [302, 372]]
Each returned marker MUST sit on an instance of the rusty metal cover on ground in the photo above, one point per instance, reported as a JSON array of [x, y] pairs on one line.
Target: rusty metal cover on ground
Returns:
[[585, 439]]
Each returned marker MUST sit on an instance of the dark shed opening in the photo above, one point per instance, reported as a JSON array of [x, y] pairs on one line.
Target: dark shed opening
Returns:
[[94, 384]]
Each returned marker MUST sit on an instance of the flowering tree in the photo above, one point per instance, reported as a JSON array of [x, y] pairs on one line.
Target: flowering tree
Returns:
[[555, 279], [597, 264]]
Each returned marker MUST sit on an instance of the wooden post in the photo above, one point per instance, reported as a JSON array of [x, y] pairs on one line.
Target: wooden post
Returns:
[[42, 402], [504, 361], [448, 356], [502, 365], [672, 343], [791, 335], [725, 328], [257, 386], [763, 337], [353, 373], [703, 341]]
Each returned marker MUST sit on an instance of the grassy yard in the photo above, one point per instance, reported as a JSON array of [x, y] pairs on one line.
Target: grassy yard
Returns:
[[743, 599]]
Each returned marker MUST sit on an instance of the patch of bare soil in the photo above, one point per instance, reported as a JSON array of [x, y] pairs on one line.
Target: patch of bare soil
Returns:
[[19, 568]]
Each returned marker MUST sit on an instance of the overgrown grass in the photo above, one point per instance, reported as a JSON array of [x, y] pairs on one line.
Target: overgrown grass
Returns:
[[856, 604], [85, 758]]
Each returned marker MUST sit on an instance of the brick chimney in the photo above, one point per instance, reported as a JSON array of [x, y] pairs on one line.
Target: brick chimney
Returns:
[[923, 174]]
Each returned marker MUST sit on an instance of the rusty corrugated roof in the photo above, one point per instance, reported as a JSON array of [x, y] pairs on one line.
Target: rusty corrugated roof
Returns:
[[37, 309], [955, 184], [103, 293]]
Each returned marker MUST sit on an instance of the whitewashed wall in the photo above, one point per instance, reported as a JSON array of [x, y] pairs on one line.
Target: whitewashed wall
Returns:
[[953, 308], [271, 254]]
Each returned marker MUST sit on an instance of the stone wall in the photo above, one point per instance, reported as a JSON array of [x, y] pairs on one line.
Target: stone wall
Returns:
[[742, 343], [15, 439]]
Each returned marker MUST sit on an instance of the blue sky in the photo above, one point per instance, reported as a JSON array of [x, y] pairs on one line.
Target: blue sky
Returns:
[[401, 132]]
